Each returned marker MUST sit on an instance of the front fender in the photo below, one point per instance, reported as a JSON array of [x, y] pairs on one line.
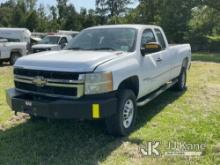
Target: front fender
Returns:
[[122, 68]]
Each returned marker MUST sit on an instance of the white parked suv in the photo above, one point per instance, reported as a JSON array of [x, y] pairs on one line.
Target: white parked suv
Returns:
[[104, 73]]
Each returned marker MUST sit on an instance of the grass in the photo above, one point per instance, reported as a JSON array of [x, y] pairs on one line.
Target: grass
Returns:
[[206, 57], [192, 116]]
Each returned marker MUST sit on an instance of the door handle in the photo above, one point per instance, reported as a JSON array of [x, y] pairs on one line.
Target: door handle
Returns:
[[159, 60]]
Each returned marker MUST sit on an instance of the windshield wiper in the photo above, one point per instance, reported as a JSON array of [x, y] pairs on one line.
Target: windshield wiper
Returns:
[[76, 48], [104, 48]]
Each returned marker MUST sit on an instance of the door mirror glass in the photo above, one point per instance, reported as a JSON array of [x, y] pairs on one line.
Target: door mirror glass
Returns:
[[151, 47]]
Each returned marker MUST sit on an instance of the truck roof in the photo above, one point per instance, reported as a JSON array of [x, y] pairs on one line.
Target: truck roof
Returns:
[[136, 26], [58, 35], [15, 29], [67, 32]]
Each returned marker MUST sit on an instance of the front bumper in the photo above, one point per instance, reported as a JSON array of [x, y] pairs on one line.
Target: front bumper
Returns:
[[83, 108]]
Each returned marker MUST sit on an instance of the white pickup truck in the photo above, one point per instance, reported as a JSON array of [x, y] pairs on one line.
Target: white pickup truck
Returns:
[[11, 51], [51, 42], [14, 43], [106, 72]]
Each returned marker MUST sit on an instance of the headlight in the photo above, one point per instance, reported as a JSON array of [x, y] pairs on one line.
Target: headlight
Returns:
[[96, 83]]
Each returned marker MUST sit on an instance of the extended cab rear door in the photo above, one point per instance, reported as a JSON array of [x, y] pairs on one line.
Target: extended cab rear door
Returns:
[[151, 65], [156, 67], [166, 57]]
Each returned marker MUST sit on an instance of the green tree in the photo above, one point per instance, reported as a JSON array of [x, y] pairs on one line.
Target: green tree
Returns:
[[204, 29], [62, 11], [43, 19], [53, 19], [32, 21], [111, 8], [215, 4], [89, 18], [148, 12], [30, 4], [71, 20], [19, 15]]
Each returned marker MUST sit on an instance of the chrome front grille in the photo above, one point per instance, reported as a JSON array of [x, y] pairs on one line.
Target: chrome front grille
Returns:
[[50, 83]]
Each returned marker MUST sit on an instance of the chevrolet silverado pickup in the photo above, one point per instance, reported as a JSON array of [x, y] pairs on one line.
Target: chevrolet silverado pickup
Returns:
[[105, 72]]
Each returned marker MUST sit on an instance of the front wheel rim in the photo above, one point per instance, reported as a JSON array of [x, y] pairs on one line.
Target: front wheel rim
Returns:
[[128, 113]]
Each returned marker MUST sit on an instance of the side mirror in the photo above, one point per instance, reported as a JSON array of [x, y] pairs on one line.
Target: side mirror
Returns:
[[151, 47]]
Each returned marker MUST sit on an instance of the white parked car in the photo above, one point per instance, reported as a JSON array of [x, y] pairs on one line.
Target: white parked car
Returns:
[[104, 73], [51, 42]]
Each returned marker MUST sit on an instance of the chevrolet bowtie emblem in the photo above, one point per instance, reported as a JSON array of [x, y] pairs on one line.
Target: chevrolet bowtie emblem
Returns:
[[39, 81]]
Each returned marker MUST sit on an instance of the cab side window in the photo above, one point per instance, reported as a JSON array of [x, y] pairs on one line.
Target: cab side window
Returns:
[[147, 36], [160, 38]]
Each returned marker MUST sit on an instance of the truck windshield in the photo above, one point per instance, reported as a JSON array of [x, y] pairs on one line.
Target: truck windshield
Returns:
[[113, 39], [50, 40]]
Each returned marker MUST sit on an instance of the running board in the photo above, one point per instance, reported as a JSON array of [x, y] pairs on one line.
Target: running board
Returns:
[[157, 93]]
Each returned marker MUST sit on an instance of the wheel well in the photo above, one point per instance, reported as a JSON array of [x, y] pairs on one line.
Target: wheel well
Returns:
[[16, 51], [130, 83]]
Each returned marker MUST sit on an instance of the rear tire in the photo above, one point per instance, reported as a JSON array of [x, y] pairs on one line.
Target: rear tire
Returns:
[[181, 83], [14, 57], [122, 123]]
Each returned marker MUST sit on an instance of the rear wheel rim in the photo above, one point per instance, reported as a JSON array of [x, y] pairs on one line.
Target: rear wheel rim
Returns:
[[128, 113]]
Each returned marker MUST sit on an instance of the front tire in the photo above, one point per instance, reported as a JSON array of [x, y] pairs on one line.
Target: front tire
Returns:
[[14, 57], [122, 123], [181, 83]]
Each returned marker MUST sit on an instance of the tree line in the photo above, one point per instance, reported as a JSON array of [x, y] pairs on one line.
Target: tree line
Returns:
[[193, 21]]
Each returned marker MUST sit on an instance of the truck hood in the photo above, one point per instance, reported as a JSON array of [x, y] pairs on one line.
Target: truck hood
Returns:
[[44, 46], [67, 60]]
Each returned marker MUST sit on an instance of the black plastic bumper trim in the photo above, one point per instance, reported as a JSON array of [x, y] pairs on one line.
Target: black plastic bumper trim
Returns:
[[58, 107]]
